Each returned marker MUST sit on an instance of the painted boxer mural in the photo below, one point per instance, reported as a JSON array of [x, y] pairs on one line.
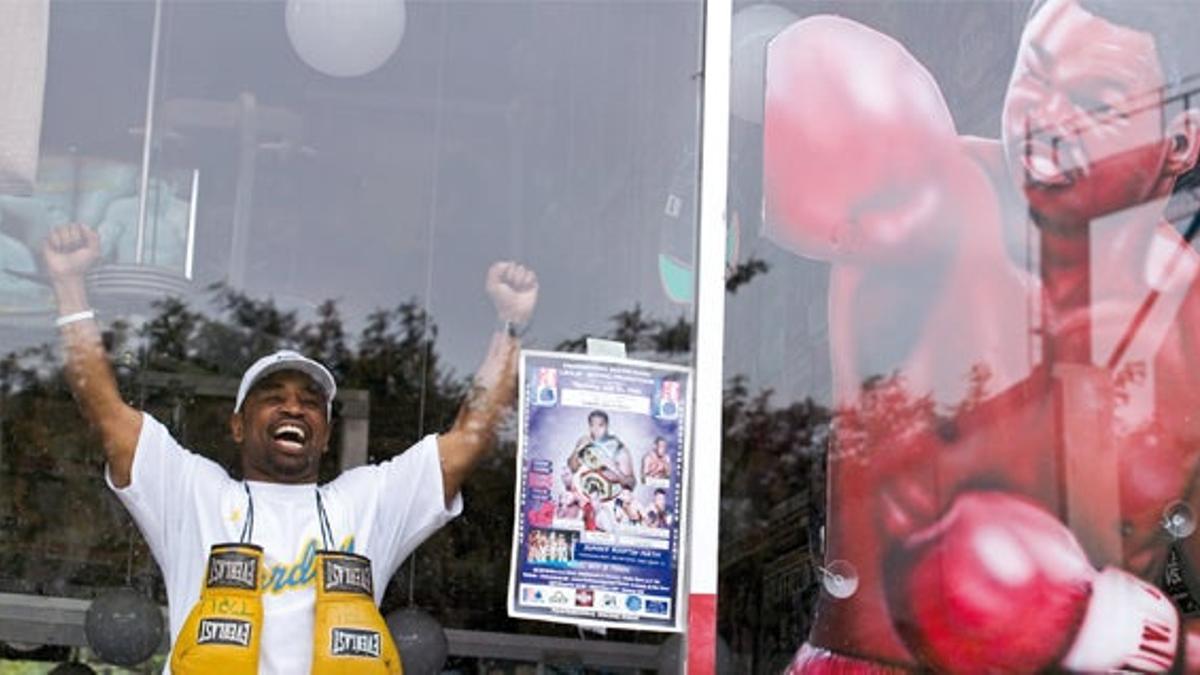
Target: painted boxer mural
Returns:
[[1015, 335]]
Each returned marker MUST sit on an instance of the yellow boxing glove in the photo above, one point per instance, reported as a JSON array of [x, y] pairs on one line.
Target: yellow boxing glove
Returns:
[[350, 636], [224, 629]]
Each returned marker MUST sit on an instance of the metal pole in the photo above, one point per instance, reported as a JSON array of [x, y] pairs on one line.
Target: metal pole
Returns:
[[148, 132], [710, 341], [190, 251]]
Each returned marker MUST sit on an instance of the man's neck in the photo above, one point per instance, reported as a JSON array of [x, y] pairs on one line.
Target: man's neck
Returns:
[[262, 479], [1104, 261], [1117, 243]]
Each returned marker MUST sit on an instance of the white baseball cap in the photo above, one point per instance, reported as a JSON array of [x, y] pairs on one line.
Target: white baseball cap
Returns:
[[286, 359]]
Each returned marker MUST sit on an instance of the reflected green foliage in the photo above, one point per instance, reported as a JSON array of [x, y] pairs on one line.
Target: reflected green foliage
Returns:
[[772, 511], [641, 334], [743, 272], [60, 533]]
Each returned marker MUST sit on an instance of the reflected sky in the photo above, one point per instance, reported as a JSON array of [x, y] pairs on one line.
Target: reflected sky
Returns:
[[543, 131]]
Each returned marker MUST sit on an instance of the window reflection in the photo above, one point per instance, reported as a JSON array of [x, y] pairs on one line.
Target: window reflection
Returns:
[[1007, 324], [349, 216]]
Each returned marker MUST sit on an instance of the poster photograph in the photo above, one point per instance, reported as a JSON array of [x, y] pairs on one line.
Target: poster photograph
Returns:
[[602, 451]]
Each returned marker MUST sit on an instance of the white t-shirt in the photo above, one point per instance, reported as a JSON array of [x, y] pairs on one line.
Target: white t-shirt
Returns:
[[184, 503]]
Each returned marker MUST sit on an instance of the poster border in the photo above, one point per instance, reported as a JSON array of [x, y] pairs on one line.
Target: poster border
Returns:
[[680, 595]]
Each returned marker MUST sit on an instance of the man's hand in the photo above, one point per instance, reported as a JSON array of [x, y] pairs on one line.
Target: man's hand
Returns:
[[513, 289], [70, 251]]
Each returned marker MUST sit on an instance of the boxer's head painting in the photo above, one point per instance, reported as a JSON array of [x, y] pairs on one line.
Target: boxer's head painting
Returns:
[[1096, 119], [855, 140]]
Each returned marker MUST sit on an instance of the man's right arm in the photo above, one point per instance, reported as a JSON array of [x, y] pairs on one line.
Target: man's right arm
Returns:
[[69, 251]]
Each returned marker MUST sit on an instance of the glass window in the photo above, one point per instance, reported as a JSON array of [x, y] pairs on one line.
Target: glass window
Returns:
[[957, 407], [266, 175]]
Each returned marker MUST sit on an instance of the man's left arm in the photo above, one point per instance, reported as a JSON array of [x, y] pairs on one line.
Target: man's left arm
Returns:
[[513, 290]]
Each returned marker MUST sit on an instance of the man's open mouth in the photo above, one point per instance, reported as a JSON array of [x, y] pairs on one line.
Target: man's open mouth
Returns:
[[1051, 166], [290, 436]]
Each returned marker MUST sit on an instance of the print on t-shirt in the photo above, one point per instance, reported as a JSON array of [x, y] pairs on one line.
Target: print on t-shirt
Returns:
[[301, 573]]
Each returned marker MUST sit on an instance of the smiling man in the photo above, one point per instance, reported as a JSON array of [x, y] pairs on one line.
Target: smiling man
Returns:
[[275, 573], [281, 418]]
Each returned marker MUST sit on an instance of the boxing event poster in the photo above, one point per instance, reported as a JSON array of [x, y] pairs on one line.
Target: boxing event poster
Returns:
[[603, 452]]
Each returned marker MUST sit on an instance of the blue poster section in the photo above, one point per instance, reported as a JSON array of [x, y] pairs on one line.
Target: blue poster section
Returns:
[[600, 490]]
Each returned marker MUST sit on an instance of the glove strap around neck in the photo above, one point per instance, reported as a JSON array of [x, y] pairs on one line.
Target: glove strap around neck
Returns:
[[248, 525]]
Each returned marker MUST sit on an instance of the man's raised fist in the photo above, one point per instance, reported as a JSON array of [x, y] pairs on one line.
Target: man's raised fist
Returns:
[[70, 251]]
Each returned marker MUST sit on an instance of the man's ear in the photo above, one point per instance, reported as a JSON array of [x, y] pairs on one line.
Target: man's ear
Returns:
[[328, 435], [236, 429], [1183, 138]]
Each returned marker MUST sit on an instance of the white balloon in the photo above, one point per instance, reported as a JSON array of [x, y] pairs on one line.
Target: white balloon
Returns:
[[345, 38], [752, 28]]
